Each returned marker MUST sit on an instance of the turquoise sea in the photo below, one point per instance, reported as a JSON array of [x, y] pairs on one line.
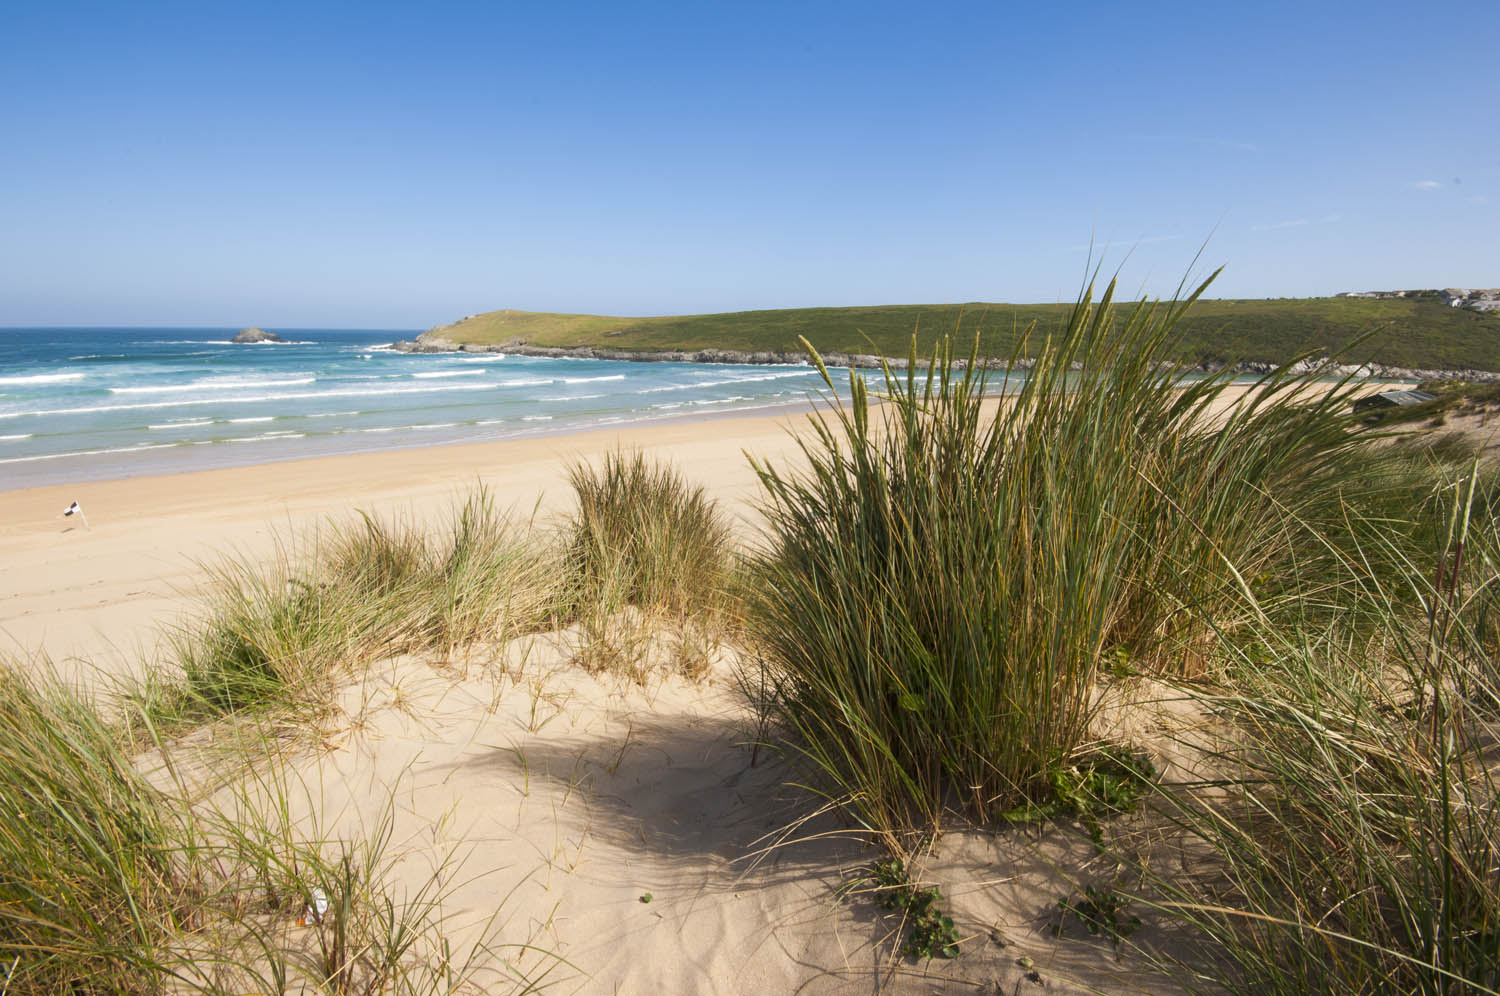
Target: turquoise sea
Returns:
[[81, 404]]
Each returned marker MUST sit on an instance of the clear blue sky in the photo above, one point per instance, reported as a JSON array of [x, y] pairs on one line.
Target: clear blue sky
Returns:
[[400, 165]]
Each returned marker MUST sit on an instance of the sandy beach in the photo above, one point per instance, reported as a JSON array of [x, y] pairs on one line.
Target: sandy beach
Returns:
[[99, 594], [557, 801]]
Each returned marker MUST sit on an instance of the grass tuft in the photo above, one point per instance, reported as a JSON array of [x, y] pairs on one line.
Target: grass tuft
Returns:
[[645, 537], [93, 864], [110, 884], [1346, 837], [282, 633], [648, 563], [943, 589]]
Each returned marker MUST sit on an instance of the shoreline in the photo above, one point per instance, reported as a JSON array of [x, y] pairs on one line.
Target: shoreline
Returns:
[[97, 599], [430, 343], [83, 469], [96, 596]]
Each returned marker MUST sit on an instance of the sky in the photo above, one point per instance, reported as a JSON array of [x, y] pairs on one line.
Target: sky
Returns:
[[400, 165]]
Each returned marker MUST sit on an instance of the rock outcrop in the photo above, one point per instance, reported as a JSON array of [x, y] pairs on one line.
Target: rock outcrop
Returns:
[[429, 343], [253, 334]]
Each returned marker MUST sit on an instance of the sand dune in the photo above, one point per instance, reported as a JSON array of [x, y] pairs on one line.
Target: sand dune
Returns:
[[555, 802]]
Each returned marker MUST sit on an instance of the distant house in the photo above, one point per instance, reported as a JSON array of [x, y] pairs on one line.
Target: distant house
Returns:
[[1392, 399]]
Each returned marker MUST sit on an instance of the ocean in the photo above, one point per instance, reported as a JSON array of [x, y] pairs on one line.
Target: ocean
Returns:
[[80, 404]]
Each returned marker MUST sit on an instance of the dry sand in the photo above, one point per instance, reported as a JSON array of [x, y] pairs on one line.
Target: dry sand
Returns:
[[97, 596], [568, 797]]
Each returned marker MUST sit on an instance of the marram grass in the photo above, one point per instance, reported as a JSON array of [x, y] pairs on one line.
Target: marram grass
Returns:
[[92, 862], [284, 631], [939, 589], [642, 535], [1345, 834], [113, 883], [647, 568]]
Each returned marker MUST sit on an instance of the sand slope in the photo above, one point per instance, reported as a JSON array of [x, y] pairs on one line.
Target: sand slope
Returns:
[[557, 802], [566, 798]]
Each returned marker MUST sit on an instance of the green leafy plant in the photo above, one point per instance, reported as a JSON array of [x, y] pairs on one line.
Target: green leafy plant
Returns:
[[1102, 911], [1104, 782], [929, 932]]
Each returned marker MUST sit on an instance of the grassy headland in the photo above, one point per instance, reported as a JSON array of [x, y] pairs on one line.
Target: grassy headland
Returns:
[[1418, 331]]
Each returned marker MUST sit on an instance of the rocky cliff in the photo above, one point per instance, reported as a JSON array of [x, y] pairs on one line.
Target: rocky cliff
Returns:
[[427, 342]]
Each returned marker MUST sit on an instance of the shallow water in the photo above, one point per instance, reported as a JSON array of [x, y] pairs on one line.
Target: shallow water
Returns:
[[87, 404]]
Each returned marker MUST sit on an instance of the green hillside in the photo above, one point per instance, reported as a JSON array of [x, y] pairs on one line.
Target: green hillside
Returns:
[[1418, 331]]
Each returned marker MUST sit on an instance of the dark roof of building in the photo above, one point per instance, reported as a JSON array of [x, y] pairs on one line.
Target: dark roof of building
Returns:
[[1394, 398]]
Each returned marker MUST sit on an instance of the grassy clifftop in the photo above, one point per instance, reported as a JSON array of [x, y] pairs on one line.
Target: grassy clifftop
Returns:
[[1413, 332]]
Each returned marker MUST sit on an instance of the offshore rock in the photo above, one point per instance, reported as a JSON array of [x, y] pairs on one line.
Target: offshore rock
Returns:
[[254, 334]]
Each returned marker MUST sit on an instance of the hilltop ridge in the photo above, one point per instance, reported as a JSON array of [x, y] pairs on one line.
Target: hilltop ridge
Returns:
[[1416, 332]]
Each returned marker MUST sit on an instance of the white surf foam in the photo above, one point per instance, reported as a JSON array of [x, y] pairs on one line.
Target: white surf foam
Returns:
[[78, 453], [725, 381], [533, 382], [213, 384], [268, 437], [42, 379], [254, 399]]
